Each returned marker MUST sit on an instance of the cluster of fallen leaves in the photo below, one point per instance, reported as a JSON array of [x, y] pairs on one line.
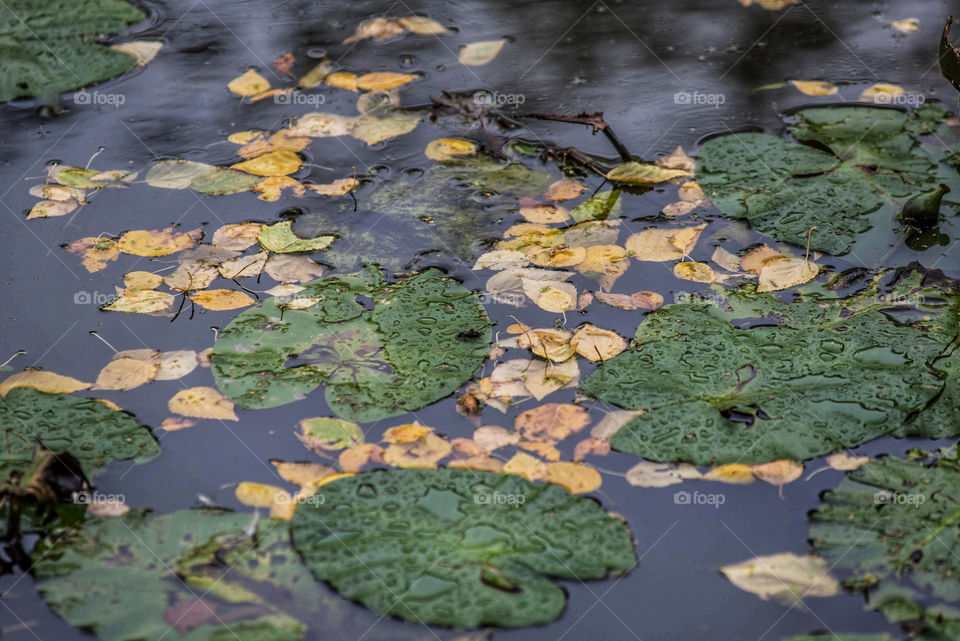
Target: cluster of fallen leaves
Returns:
[[198, 266], [878, 93], [67, 188], [532, 454]]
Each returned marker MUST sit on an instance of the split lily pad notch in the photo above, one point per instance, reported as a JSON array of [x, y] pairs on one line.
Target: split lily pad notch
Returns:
[[457, 548], [848, 172], [381, 349], [760, 380]]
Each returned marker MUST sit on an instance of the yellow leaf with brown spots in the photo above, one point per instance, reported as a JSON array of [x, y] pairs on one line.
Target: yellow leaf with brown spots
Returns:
[[157, 242], [697, 272], [249, 84], [94, 252], [202, 402], [551, 422], [237, 236], [124, 374], [221, 299]]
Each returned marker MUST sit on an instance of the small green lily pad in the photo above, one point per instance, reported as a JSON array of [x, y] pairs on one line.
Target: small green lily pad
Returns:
[[457, 548], [381, 349]]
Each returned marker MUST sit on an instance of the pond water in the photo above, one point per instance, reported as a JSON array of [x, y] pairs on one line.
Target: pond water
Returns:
[[665, 73]]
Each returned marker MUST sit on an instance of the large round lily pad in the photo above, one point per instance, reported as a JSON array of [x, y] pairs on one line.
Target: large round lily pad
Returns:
[[457, 547], [847, 172], [89, 430], [43, 49], [799, 380], [197, 575], [381, 349], [895, 522]]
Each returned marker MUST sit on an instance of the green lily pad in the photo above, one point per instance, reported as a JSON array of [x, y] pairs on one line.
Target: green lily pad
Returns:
[[848, 173], [895, 522], [452, 208], [800, 380], [457, 548], [44, 50], [89, 430], [415, 342], [198, 575]]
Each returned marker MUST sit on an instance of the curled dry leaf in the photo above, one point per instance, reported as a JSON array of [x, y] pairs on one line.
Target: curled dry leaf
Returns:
[[421, 25], [845, 461], [651, 474], [143, 51], [174, 423], [659, 245], [243, 266], [543, 377], [336, 188], [549, 343], [597, 344], [379, 28], [202, 402], [778, 472], [786, 577], [237, 236], [678, 159]]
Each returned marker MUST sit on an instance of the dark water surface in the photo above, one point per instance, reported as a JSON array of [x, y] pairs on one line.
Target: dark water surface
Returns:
[[626, 59]]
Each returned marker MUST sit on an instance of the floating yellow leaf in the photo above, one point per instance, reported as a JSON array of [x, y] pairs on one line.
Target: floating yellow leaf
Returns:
[[303, 474], [697, 272], [43, 381], [243, 137], [157, 242], [342, 80], [678, 159], [597, 344], [383, 80], [447, 148], [379, 28], [372, 129], [141, 280], [660, 245], [479, 463], [421, 25], [732, 473], [881, 93], [260, 495], [815, 87], [274, 163], [322, 125], [407, 433], [243, 266], [336, 188], [635, 173], [354, 458], [556, 256], [782, 273], [907, 25], [174, 423], [574, 477], [551, 422], [756, 258], [544, 377], [191, 274], [125, 373], [778, 472], [202, 402], [564, 189], [249, 84], [524, 465], [283, 140], [477, 54], [846, 462], [785, 577], [142, 301], [143, 51], [424, 452], [221, 299], [174, 364], [549, 343], [237, 236], [94, 252], [52, 208]]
